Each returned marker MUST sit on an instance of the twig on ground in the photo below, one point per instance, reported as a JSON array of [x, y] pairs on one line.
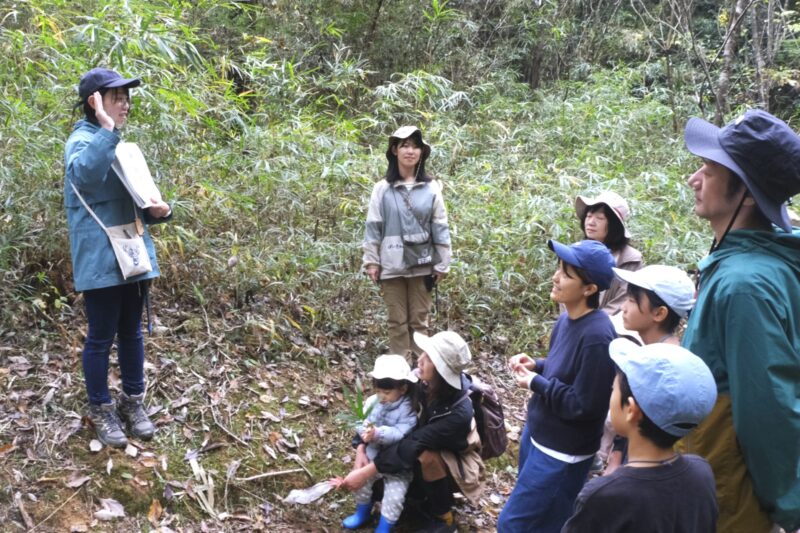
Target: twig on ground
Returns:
[[272, 474], [57, 510], [299, 461], [303, 413], [226, 430]]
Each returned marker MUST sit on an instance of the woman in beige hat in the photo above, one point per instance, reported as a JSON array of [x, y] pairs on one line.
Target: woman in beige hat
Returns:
[[443, 451], [603, 219], [407, 238]]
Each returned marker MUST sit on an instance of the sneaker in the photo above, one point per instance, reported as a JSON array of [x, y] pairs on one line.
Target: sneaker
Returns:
[[131, 412], [107, 425]]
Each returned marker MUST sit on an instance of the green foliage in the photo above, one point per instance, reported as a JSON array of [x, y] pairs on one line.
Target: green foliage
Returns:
[[356, 403], [269, 159]]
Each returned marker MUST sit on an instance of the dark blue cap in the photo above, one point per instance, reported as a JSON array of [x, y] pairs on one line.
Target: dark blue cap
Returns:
[[593, 257], [761, 149], [103, 78]]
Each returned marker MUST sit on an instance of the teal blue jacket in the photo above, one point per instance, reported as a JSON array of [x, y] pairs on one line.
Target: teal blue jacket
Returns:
[[746, 327], [87, 159]]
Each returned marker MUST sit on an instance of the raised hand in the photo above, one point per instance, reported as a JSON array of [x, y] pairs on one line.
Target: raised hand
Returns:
[[95, 101]]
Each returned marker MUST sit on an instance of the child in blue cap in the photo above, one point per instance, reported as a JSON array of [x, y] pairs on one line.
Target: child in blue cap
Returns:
[[658, 297], [661, 393], [571, 390]]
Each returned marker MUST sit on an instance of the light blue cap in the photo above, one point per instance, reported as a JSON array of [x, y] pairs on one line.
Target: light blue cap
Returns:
[[670, 283], [673, 387]]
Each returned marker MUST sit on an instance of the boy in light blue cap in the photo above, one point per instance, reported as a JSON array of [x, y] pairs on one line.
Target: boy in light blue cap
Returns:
[[658, 298], [661, 393]]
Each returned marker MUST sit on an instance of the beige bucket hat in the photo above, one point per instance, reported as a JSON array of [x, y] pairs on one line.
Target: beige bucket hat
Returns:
[[405, 132], [448, 352]]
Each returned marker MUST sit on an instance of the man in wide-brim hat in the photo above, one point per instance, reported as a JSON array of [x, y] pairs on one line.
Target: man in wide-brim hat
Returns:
[[746, 323]]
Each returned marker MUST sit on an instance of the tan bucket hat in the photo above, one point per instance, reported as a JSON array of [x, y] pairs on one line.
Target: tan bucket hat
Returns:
[[448, 352]]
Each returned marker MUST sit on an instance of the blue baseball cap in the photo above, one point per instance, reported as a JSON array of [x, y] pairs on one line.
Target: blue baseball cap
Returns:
[[103, 78], [591, 256], [673, 387], [759, 148]]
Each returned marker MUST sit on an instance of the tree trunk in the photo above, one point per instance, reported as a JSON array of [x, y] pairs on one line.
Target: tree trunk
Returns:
[[728, 58], [757, 42], [373, 27]]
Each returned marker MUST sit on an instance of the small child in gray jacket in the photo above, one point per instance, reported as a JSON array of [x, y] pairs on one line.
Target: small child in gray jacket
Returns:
[[391, 417]]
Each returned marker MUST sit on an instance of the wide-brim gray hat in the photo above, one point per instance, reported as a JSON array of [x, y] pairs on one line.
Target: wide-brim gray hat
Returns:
[[448, 352], [405, 132], [762, 150]]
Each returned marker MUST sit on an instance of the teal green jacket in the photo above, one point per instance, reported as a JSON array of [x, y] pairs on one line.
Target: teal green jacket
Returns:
[[88, 156], [746, 327]]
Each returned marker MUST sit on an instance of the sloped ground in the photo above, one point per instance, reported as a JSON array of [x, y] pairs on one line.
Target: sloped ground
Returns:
[[240, 424]]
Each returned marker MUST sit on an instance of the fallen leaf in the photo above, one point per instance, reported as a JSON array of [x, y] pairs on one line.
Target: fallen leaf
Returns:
[[270, 451], [269, 416], [309, 495], [148, 462], [78, 482], [111, 509], [109, 466], [154, 514], [179, 402], [232, 468], [7, 448], [21, 508], [78, 528]]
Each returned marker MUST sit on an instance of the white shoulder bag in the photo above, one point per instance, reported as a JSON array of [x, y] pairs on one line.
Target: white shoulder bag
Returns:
[[127, 242]]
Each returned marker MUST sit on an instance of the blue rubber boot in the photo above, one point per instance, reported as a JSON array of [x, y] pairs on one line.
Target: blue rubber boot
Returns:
[[385, 525], [360, 517]]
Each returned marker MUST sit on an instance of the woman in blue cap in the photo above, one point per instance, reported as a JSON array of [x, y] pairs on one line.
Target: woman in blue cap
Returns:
[[571, 390], [113, 303]]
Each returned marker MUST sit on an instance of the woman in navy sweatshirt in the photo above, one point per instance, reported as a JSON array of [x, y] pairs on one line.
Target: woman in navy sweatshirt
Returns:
[[571, 388]]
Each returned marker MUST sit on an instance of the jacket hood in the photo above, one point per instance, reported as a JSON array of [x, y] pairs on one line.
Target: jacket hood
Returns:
[[783, 246]]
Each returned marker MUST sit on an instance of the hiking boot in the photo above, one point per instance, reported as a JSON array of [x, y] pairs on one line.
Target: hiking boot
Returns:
[[131, 412], [440, 524], [107, 425]]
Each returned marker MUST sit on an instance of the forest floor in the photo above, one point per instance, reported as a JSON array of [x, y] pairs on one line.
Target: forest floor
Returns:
[[237, 430]]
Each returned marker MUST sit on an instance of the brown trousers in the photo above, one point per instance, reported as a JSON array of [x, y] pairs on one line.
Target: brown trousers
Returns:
[[408, 304]]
